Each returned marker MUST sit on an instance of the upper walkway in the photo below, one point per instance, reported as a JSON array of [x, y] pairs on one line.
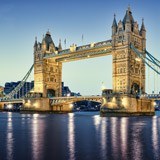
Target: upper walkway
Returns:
[[82, 52]]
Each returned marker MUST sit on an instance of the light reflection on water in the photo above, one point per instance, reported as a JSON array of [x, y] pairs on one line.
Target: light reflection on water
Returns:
[[119, 138], [71, 136], [37, 135], [123, 135], [9, 136], [103, 138], [155, 140], [136, 141], [114, 137]]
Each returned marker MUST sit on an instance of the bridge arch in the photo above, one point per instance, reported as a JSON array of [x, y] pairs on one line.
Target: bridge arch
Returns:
[[135, 88], [51, 93]]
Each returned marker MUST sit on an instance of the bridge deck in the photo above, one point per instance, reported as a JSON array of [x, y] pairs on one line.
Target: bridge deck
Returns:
[[62, 100]]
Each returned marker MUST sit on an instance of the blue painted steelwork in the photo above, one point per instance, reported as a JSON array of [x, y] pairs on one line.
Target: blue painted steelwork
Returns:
[[154, 63], [18, 87]]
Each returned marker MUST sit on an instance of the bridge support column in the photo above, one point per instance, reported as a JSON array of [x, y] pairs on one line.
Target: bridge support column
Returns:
[[36, 104], [63, 108], [45, 105]]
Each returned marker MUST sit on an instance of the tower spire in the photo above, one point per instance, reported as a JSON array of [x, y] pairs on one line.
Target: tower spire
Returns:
[[142, 26], [129, 8], [114, 24], [35, 44], [60, 46], [35, 41]]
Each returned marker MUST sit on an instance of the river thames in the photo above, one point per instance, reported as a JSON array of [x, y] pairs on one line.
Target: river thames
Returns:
[[78, 136]]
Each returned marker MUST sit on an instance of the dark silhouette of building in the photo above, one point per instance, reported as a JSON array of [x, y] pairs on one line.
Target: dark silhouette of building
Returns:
[[67, 92], [9, 86]]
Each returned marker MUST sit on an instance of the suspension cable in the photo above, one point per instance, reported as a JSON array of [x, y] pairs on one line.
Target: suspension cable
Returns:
[[19, 86], [152, 64]]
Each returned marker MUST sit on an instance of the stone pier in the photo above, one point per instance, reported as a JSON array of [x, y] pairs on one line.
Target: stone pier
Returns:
[[44, 105], [117, 104]]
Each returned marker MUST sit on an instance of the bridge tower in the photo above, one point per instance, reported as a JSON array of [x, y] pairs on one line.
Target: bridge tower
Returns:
[[128, 71], [47, 72]]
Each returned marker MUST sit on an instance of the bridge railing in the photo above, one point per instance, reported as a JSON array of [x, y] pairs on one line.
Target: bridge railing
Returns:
[[78, 97], [150, 96], [61, 100]]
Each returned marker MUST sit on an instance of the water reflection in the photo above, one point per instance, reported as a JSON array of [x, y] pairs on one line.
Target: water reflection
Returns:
[[37, 137], [80, 137], [114, 137], [103, 138], [123, 136], [97, 121], [71, 136], [155, 141], [136, 141], [9, 136]]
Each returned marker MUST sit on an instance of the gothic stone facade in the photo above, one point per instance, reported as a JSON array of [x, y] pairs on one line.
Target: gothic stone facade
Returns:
[[128, 69], [47, 72]]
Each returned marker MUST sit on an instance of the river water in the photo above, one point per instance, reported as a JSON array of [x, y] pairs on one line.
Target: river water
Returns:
[[78, 136]]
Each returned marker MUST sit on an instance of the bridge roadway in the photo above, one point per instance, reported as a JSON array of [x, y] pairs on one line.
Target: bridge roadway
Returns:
[[12, 101], [60, 100], [72, 99]]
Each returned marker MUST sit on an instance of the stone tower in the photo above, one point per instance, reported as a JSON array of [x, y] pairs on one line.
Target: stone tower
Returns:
[[128, 70], [47, 72]]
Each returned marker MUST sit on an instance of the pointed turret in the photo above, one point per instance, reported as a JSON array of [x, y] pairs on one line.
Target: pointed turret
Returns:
[[128, 16], [114, 21], [136, 28], [35, 44], [59, 46], [120, 26], [47, 43], [128, 20], [43, 44], [143, 34], [114, 25], [142, 27], [143, 30]]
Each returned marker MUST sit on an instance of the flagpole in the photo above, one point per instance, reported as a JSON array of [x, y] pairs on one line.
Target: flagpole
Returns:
[[65, 43], [82, 39]]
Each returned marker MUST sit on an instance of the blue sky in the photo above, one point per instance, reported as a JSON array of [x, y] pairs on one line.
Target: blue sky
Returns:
[[22, 20]]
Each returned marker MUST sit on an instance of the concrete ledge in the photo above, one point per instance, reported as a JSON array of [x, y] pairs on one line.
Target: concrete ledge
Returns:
[[121, 113], [42, 111]]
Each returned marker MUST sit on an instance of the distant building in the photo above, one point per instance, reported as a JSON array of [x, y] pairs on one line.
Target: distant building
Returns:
[[106, 91], [9, 86], [1, 91], [67, 92]]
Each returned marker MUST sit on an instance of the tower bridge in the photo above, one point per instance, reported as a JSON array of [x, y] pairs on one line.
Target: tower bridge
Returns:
[[129, 59]]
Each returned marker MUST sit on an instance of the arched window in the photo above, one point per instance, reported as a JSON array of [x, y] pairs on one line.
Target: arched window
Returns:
[[121, 70], [51, 69]]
